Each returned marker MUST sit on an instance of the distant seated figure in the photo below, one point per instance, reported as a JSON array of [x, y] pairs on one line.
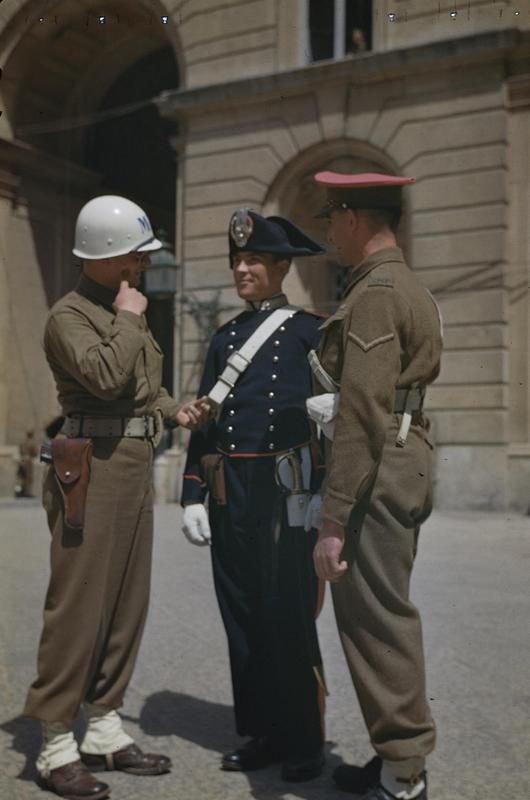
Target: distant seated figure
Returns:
[[358, 41], [27, 452]]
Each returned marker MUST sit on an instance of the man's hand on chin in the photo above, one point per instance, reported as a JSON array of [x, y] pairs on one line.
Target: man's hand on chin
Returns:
[[328, 550]]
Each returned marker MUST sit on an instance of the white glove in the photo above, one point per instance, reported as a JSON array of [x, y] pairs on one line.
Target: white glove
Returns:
[[195, 525], [312, 515]]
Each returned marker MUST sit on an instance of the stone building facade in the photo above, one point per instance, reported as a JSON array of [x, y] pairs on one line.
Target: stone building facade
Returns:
[[253, 98]]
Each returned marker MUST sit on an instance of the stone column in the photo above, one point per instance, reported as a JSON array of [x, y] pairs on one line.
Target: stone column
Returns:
[[34, 217], [518, 281]]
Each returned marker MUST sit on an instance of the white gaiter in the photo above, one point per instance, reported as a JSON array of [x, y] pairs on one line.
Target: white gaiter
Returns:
[[104, 733], [403, 778], [58, 747]]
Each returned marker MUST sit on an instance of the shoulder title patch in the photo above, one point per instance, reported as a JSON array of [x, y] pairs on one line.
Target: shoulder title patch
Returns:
[[381, 280]]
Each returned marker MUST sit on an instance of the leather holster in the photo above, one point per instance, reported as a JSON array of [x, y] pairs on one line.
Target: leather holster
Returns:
[[213, 474], [71, 463]]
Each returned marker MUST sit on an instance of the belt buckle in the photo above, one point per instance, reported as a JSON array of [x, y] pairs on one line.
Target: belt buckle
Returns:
[[236, 357], [226, 382]]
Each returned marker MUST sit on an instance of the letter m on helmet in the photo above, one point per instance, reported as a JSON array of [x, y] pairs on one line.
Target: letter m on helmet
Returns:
[[145, 225]]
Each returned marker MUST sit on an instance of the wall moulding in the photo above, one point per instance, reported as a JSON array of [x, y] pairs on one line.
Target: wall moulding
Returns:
[[368, 69], [518, 93], [20, 159]]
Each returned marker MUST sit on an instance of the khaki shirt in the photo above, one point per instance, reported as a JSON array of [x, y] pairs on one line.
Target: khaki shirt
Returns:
[[386, 335], [104, 363]]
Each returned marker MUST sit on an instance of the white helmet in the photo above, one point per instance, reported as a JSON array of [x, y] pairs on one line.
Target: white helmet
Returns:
[[109, 226]]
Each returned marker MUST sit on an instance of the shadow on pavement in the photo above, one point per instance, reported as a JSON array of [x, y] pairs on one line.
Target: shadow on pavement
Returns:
[[266, 784], [208, 725], [26, 740], [211, 725]]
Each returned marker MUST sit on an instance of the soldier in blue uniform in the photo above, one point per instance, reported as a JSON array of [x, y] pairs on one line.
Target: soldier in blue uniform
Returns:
[[255, 463]]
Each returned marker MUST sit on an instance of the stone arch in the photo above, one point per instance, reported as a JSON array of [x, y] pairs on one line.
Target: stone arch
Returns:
[[59, 69], [294, 194], [62, 71], [69, 62]]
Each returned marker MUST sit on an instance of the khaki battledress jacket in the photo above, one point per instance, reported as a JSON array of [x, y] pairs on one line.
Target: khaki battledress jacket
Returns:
[[104, 363], [384, 336]]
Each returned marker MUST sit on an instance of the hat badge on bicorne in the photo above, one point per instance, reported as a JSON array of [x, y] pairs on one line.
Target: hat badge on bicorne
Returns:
[[241, 227]]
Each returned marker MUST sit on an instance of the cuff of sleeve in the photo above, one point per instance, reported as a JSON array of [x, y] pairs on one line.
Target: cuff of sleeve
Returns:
[[169, 409], [135, 319], [337, 508], [193, 491]]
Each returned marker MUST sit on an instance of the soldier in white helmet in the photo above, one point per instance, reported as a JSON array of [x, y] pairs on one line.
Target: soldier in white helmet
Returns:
[[98, 498]]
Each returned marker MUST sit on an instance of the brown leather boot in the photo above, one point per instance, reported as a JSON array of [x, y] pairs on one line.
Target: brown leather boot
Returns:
[[131, 760], [74, 782]]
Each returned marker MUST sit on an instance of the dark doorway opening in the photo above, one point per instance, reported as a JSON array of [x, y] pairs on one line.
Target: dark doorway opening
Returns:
[[134, 156]]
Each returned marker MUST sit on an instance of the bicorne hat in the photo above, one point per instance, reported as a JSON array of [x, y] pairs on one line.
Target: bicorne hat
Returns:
[[251, 232]]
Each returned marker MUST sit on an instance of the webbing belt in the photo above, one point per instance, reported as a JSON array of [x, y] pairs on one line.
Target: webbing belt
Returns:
[[406, 401], [136, 427]]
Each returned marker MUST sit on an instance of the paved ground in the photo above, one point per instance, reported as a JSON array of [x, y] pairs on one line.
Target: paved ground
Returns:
[[471, 581]]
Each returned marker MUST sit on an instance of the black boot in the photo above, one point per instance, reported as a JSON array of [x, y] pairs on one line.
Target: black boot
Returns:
[[302, 768], [351, 778], [255, 754]]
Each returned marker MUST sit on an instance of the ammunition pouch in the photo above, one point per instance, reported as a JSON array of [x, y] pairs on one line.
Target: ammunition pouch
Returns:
[[322, 409]]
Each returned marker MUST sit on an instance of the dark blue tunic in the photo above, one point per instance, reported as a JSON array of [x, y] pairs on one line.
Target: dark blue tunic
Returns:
[[263, 570], [265, 413]]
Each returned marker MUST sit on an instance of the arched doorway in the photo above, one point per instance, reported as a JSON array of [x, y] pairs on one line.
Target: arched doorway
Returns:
[[318, 282], [76, 94], [134, 156]]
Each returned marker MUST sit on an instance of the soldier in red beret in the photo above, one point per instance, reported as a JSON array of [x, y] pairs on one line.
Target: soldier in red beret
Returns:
[[379, 352]]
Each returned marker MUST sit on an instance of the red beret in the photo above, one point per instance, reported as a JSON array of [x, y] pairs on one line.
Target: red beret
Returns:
[[361, 190]]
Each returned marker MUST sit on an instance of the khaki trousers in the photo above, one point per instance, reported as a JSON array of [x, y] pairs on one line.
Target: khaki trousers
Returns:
[[379, 627], [97, 598]]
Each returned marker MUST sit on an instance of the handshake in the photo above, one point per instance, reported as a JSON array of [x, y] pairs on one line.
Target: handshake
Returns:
[[196, 414], [196, 527]]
